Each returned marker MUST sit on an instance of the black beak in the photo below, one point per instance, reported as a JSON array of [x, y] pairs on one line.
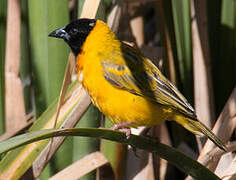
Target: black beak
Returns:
[[60, 33]]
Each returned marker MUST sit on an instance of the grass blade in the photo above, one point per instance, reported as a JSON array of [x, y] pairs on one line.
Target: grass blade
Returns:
[[3, 12], [77, 170], [181, 161], [182, 27]]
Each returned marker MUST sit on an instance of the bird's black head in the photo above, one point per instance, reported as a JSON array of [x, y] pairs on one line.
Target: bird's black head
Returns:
[[75, 33]]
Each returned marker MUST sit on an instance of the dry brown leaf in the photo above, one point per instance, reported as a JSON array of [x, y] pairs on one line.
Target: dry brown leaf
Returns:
[[137, 26], [203, 93], [65, 85], [81, 167], [224, 126], [113, 19], [90, 9], [230, 173], [15, 115], [28, 119], [213, 155]]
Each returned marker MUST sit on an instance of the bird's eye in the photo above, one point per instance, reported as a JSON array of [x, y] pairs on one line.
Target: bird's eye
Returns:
[[73, 31]]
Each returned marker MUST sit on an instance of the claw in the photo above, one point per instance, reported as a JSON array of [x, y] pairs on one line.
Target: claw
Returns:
[[123, 128], [127, 132]]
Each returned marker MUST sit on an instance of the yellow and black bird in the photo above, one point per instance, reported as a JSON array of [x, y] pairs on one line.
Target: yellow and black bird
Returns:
[[124, 85]]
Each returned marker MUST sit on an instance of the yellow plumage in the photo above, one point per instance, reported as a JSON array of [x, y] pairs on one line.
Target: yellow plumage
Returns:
[[125, 85], [119, 105]]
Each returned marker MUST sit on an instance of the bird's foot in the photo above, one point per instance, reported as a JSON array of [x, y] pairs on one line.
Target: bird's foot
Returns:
[[127, 132], [123, 128]]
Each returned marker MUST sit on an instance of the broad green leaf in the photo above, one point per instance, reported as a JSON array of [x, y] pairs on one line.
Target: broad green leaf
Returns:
[[49, 56], [172, 155]]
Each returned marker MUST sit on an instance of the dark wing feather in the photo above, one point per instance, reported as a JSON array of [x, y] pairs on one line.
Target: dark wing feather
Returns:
[[140, 76]]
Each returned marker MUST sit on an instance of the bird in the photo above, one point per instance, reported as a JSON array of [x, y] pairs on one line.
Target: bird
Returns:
[[123, 84]]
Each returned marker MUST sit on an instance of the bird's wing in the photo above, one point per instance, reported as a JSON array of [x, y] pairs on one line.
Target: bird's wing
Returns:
[[140, 76]]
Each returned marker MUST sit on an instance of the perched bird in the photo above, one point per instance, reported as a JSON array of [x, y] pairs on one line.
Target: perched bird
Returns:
[[124, 85]]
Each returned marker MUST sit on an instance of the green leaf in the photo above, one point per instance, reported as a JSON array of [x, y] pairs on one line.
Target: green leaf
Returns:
[[49, 56], [180, 160], [182, 27], [25, 72], [3, 11]]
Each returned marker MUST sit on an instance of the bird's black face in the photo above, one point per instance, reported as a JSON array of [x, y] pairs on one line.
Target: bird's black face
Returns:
[[75, 33]]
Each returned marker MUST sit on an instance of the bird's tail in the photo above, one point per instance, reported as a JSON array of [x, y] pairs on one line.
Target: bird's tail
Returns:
[[198, 128]]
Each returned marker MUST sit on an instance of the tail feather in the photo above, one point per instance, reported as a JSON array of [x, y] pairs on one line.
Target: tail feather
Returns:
[[198, 128]]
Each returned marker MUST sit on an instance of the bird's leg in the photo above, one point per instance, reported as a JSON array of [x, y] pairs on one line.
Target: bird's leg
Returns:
[[123, 127]]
